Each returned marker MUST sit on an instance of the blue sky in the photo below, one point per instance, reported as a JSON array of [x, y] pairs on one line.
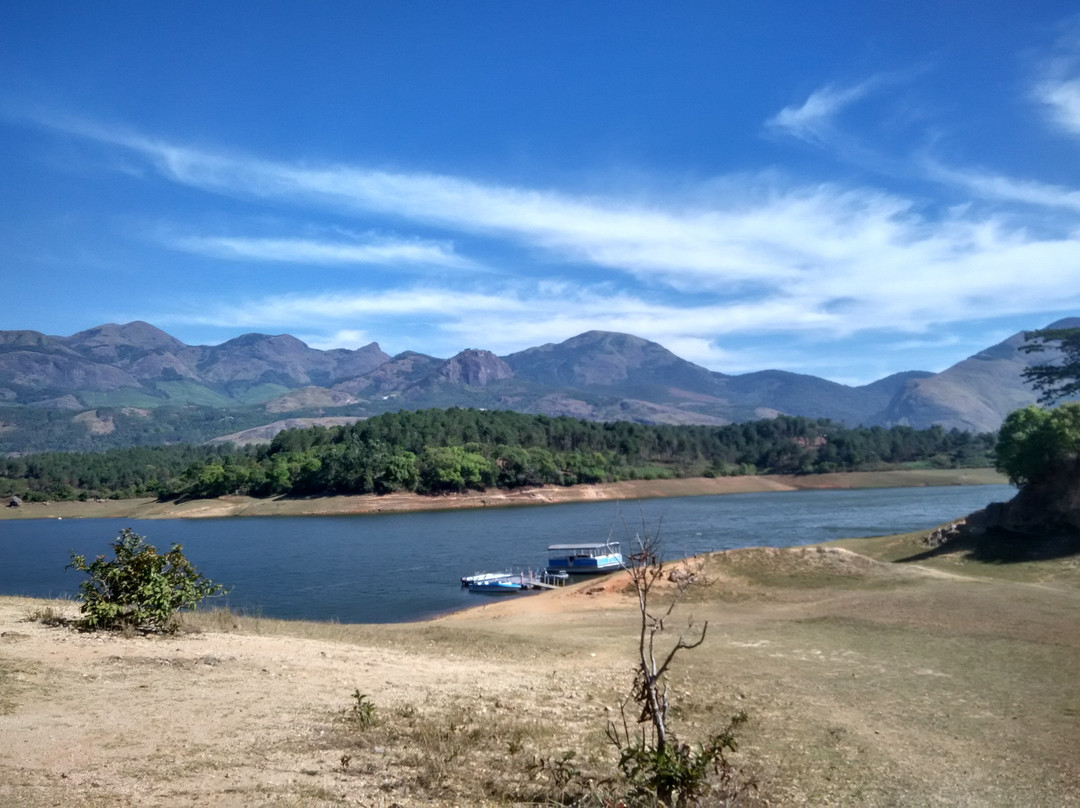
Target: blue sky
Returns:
[[846, 190]]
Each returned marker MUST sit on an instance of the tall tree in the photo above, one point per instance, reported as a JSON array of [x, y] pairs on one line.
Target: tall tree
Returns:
[[1054, 380]]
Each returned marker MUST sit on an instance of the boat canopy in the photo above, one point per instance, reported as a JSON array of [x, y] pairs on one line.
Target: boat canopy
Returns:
[[586, 548]]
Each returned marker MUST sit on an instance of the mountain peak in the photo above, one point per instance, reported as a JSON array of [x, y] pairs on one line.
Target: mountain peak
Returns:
[[475, 368], [1067, 322], [606, 358], [610, 339], [278, 341], [104, 340]]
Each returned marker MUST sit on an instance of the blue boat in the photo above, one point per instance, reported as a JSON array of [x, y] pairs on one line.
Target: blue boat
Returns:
[[588, 558], [496, 586]]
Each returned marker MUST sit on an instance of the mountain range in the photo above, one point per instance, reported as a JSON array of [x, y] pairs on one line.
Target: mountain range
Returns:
[[113, 371]]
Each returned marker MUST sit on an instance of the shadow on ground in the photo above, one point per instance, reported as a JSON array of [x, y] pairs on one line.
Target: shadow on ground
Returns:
[[1004, 547]]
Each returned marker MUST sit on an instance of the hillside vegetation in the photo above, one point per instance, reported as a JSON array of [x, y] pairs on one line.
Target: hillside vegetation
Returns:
[[450, 451]]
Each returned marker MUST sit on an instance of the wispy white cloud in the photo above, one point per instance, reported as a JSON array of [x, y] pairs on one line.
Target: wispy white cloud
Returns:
[[989, 185], [1057, 85], [897, 298], [322, 252], [814, 120], [350, 338], [765, 257], [1062, 97]]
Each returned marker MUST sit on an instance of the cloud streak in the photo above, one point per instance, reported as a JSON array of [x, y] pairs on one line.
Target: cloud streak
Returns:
[[988, 185], [1058, 89], [764, 257], [1063, 99], [383, 252], [813, 120]]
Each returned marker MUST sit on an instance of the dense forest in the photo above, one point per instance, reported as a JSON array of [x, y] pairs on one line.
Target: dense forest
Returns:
[[445, 451]]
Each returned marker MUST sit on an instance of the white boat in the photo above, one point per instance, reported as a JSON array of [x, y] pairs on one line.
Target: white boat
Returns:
[[587, 558], [482, 577]]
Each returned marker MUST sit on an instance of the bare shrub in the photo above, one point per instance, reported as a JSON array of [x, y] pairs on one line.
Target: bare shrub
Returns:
[[657, 766]]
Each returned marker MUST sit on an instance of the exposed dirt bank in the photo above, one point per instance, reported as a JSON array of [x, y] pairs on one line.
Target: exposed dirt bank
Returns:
[[637, 489]]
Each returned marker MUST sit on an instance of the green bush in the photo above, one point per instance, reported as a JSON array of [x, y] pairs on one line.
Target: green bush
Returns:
[[678, 774], [1035, 443], [139, 588], [362, 713]]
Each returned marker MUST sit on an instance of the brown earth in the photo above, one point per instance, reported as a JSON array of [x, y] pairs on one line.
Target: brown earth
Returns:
[[635, 489], [866, 683]]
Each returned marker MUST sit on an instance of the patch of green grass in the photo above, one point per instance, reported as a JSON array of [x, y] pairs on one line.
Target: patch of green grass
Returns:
[[1046, 559], [884, 548], [186, 392], [125, 397], [259, 393], [772, 571]]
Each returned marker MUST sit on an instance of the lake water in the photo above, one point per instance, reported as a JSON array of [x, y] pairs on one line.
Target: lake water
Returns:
[[399, 567]]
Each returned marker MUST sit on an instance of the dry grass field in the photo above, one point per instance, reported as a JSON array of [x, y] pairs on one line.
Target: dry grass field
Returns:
[[869, 680]]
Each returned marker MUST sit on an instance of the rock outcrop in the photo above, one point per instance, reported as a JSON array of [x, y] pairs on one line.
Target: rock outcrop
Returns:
[[475, 368], [1044, 507]]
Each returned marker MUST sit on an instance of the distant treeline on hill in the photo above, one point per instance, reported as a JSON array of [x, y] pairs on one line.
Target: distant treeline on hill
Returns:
[[445, 451]]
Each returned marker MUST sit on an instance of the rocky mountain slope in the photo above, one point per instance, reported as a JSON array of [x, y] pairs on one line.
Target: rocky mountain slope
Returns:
[[975, 394], [114, 375], [138, 364]]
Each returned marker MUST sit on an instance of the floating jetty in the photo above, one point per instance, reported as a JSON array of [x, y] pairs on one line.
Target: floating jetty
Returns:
[[509, 583]]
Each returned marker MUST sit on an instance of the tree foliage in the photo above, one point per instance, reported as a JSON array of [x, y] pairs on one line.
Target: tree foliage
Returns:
[[1054, 380], [438, 451], [139, 588], [117, 473], [1034, 443]]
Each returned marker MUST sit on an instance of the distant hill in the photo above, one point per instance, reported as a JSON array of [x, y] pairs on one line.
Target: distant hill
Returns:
[[139, 365], [135, 384], [974, 394]]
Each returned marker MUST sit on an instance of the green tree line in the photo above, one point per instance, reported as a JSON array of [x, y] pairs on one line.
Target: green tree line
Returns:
[[115, 474], [443, 451]]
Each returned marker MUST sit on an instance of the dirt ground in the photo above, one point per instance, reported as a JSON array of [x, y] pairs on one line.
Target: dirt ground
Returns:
[[545, 495], [865, 682]]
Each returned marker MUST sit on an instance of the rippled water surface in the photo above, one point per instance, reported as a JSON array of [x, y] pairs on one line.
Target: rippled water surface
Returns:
[[398, 567]]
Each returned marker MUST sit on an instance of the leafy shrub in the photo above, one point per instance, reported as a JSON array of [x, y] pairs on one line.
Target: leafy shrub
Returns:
[[139, 588], [362, 713], [677, 773]]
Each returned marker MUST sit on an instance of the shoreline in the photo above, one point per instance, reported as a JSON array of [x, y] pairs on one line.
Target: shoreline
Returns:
[[346, 505]]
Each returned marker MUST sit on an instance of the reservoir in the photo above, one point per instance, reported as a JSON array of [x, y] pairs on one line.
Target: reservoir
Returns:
[[399, 567]]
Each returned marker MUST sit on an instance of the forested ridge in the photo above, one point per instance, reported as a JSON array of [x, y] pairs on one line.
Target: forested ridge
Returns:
[[39, 430], [446, 451]]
